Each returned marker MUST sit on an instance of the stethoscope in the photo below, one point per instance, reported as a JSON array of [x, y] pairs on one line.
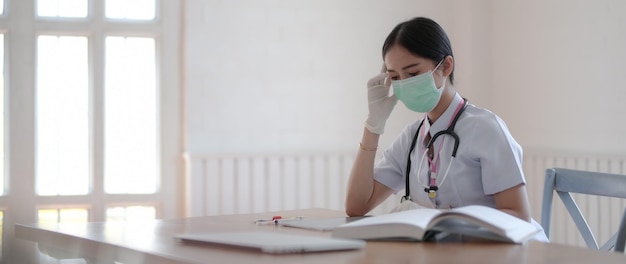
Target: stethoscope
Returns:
[[432, 187]]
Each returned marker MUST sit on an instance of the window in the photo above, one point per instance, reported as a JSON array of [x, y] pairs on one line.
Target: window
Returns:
[[133, 10], [130, 116], [83, 130], [131, 213], [62, 116], [65, 215], [64, 109], [2, 148], [1, 229], [62, 8], [2, 128]]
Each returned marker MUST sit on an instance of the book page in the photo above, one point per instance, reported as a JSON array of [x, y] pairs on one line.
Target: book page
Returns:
[[405, 224], [466, 226], [417, 217], [487, 219]]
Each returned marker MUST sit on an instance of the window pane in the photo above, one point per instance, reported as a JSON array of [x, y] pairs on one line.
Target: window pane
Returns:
[[2, 149], [73, 215], [62, 8], [131, 9], [48, 216], [1, 7], [131, 213], [69, 215], [1, 230], [130, 121], [62, 156]]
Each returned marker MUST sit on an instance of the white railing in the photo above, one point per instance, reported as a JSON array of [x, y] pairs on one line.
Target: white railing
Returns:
[[227, 184]]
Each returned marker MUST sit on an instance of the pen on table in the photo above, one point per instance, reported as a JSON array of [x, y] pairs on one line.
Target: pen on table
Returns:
[[277, 219]]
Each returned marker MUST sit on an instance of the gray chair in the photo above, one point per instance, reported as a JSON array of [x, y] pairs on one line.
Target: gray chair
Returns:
[[621, 235], [567, 181]]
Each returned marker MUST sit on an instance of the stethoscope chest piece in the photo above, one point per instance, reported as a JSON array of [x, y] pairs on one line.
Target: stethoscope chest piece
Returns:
[[432, 191]]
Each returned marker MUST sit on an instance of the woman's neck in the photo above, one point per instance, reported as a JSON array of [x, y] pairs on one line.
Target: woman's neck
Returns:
[[444, 102]]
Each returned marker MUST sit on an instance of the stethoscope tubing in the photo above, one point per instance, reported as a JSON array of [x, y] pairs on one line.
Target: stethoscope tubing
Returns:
[[448, 131]]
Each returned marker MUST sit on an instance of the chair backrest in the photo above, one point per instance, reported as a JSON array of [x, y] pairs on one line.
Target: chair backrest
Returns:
[[620, 242], [567, 181]]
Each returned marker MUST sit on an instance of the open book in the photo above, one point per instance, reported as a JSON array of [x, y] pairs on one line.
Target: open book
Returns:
[[474, 221]]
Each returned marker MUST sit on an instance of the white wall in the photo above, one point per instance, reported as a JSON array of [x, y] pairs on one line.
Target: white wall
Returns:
[[289, 76], [558, 73]]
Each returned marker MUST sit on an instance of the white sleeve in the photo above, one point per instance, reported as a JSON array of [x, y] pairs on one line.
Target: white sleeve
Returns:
[[499, 154], [391, 169]]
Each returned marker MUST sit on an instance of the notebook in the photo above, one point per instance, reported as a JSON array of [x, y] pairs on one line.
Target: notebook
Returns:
[[274, 243], [322, 224]]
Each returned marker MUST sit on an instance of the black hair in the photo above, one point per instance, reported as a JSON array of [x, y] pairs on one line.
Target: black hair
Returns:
[[422, 37]]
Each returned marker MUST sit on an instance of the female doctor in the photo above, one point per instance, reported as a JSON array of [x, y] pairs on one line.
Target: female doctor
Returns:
[[487, 167]]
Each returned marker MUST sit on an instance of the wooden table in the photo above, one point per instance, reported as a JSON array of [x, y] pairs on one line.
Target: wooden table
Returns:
[[153, 243]]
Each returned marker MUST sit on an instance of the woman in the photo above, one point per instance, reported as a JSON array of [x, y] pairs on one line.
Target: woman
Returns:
[[487, 169]]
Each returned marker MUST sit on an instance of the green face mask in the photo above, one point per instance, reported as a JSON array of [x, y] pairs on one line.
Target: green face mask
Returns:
[[419, 93]]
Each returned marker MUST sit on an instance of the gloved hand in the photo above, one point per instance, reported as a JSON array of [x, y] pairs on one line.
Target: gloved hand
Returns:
[[380, 104]]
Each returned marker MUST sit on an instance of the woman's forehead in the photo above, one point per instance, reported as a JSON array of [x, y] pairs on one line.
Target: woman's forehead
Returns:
[[398, 58]]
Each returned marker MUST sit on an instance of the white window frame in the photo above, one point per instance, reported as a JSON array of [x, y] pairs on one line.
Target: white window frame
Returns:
[[21, 28]]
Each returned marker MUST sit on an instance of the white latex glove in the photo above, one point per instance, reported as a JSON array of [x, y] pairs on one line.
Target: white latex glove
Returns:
[[380, 103]]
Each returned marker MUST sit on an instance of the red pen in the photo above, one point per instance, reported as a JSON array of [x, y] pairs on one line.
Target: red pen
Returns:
[[277, 218]]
